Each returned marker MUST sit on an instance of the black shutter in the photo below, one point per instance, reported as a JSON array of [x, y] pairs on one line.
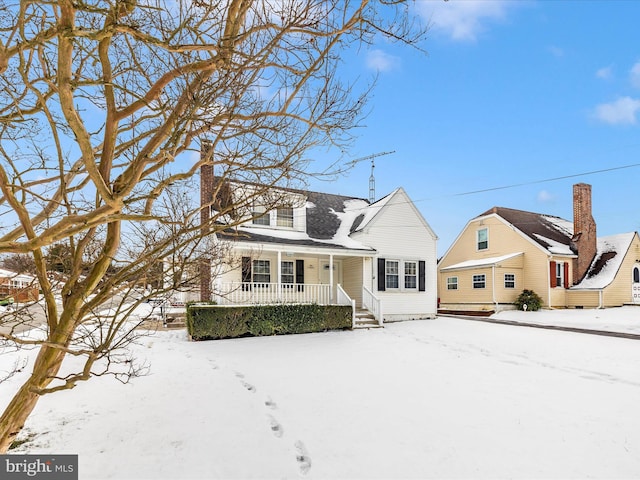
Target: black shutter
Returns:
[[246, 273], [421, 276], [381, 275], [300, 274]]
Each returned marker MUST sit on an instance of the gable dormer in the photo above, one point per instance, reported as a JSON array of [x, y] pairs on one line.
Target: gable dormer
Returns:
[[280, 210]]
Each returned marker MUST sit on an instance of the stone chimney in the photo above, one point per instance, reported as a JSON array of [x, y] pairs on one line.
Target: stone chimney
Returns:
[[206, 197], [584, 241]]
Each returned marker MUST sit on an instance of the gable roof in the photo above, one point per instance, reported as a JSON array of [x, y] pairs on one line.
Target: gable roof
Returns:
[[548, 231]]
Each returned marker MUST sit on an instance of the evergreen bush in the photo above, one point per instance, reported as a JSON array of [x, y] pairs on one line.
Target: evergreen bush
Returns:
[[529, 298], [214, 322]]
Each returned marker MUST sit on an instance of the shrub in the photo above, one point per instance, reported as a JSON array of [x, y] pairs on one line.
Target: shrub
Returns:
[[529, 298], [213, 322]]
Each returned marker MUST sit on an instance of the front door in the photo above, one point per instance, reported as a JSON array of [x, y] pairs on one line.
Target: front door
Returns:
[[635, 288], [325, 278]]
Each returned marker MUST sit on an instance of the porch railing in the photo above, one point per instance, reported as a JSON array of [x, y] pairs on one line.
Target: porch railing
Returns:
[[373, 304], [237, 293], [343, 298]]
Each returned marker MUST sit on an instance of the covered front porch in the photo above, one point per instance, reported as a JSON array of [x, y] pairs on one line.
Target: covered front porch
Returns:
[[305, 276]]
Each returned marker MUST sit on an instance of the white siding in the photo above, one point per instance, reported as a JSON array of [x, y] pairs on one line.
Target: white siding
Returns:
[[399, 232]]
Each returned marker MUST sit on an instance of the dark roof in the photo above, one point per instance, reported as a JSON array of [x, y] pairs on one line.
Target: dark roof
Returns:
[[536, 225], [322, 222]]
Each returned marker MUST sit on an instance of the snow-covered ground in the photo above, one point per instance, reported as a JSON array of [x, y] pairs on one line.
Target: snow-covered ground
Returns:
[[443, 398]]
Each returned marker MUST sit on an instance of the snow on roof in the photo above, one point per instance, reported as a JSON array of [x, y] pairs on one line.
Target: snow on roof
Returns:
[[554, 247], [371, 211], [352, 209], [610, 253], [482, 262], [560, 224], [15, 276]]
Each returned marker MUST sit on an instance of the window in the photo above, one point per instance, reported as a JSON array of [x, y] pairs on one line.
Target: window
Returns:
[[559, 274], [391, 274], [410, 275], [509, 280], [452, 283], [260, 215], [479, 281], [636, 275], [284, 217], [261, 271], [482, 239], [287, 272]]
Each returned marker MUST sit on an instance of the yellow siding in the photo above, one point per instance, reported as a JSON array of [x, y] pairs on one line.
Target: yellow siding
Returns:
[[532, 271]]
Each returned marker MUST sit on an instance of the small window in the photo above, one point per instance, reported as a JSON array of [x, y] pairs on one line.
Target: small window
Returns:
[[284, 217], [483, 238], [509, 280], [287, 272], [392, 274], [559, 274], [411, 275], [260, 215], [261, 271], [479, 281], [636, 275], [452, 283]]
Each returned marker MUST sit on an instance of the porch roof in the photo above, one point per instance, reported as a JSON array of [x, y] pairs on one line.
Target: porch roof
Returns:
[[482, 262]]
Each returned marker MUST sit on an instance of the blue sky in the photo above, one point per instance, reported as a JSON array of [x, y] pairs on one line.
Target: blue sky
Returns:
[[510, 93]]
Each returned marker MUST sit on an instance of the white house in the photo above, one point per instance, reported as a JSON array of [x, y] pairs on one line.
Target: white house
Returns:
[[313, 247]]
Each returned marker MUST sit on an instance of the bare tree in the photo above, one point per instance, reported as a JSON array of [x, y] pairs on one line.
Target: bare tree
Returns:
[[103, 106]]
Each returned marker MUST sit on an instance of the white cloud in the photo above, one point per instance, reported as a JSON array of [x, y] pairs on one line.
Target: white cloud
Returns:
[[381, 61], [622, 111], [605, 73], [634, 75], [463, 20], [545, 197]]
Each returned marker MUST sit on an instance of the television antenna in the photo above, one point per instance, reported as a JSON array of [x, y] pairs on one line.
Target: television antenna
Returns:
[[372, 178]]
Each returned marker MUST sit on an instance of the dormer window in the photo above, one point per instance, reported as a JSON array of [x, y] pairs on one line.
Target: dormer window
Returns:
[[284, 216], [260, 215]]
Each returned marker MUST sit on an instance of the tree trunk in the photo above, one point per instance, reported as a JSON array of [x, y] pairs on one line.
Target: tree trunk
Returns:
[[22, 404]]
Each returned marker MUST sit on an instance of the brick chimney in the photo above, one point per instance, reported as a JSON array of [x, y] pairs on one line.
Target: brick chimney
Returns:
[[584, 241], [206, 196]]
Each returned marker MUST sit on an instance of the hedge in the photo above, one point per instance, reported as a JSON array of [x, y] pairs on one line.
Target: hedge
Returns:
[[211, 322]]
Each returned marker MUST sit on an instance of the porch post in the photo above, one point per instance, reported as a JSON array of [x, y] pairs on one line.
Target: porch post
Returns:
[[331, 278], [279, 275]]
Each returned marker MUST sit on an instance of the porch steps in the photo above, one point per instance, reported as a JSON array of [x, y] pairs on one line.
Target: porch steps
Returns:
[[364, 319]]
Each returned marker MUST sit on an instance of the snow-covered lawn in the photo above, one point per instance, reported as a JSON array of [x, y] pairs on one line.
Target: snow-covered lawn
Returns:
[[442, 398]]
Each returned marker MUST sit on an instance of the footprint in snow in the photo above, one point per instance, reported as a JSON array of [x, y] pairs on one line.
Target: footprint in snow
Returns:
[[270, 403], [249, 387], [276, 428], [302, 457]]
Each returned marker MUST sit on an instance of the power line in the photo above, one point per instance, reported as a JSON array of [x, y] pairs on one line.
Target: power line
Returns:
[[545, 180]]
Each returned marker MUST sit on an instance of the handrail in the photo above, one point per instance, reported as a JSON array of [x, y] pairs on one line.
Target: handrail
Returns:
[[344, 299], [373, 304]]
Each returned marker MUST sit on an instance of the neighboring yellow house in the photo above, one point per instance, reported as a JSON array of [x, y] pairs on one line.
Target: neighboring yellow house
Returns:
[[504, 251]]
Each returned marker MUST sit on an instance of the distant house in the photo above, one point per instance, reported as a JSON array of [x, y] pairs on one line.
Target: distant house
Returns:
[[503, 251], [312, 247], [20, 287]]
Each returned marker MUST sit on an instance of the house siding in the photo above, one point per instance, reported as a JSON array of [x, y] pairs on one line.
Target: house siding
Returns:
[[352, 278], [532, 272], [414, 244]]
